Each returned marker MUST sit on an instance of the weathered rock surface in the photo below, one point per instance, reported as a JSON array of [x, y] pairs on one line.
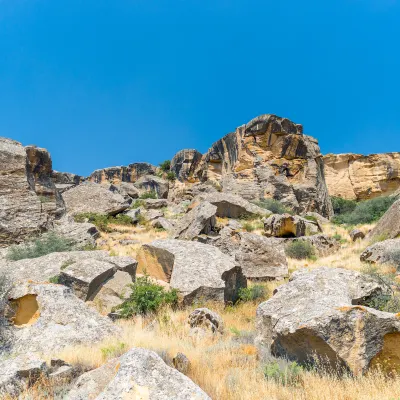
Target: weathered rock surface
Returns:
[[358, 177], [138, 374], [207, 319], [152, 183], [126, 189], [133, 214], [184, 163], [17, 374], [381, 252], [181, 363], [269, 157], [163, 223], [95, 198], [230, 205], [200, 219], [28, 197], [66, 178], [116, 175], [49, 317], [388, 226], [154, 204], [319, 314], [286, 225], [197, 270], [356, 234]]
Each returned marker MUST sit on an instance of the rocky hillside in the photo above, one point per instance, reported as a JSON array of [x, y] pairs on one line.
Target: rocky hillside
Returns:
[[358, 177]]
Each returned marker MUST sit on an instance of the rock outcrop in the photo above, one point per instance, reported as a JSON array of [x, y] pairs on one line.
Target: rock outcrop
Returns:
[[29, 201], [94, 198], [115, 175], [287, 226], [153, 183], [358, 177], [319, 317], [382, 252], [184, 163], [197, 270], [269, 157], [138, 374], [206, 319], [388, 227]]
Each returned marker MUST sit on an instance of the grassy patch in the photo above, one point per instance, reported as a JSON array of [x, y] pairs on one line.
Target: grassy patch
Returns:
[[148, 195], [275, 206], [300, 250]]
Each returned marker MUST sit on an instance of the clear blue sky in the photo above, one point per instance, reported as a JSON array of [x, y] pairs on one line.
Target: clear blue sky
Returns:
[[104, 83]]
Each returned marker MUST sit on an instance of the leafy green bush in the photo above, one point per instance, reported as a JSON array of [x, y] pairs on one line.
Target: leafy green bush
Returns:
[[275, 206], [147, 297], [171, 176], [46, 244], [342, 206], [365, 212], [253, 293], [283, 372], [300, 250], [121, 219], [165, 165], [149, 195]]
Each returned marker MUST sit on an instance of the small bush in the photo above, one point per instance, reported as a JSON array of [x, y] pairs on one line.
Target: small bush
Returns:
[[99, 220], [171, 176], [148, 195], [165, 165], [113, 351], [248, 227], [137, 203], [121, 219], [275, 206], [283, 372], [300, 250], [365, 212], [46, 244], [147, 297], [253, 293], [342, 206]]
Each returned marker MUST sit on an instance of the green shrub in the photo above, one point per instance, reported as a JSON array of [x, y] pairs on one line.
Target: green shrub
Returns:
[[137, 203], [300, 250], [149, 195], [121, 219], [99, 220], [147, 297], [342, 206], [275, 206], [46, 244], [165, 165], [55, 279], [311, 218], [283, 372], [248, 227], [253, 293], [171, 176], [365, 212]]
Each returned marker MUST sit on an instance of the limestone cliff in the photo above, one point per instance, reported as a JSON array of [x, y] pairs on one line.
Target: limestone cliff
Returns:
[[130, 173], [358, 177]]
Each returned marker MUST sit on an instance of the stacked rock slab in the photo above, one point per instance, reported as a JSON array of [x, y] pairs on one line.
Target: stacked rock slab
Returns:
[[28, 198], [319, 317], [358, 177], [184, 163], [269, 157], [197, 270]]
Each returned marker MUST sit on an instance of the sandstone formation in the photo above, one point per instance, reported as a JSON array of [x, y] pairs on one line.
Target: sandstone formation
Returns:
[[388, 227], [116, 175], [197, 270], [184, 163], [358, 177], [382, 252], [269, 157], [94, 198], [49, 317], [319, 316], [287, 225], [138, 374], [153, 183], [28, 198]]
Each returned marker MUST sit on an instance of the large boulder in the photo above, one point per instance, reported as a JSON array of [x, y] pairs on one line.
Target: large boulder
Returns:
[[388, 227], [382, 252], [138, 374], [197, 270], [319, 317], [94, 198], [200, 219], [269, 157], [116, 175], [359, 177], [48, 318], [230, 205], [153, 183], [184, 163], [286, 225], [29, 201], [17, 374]]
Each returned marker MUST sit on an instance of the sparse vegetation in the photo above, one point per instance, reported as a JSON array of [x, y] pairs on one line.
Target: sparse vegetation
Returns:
[[147, 297], [364, 212], [165, 166], [148, 195], [66, 264], [275, 206], [137, 203], [102, 221], [253, 293], [300, 250], [283, 372], [46, 244], [252, 225], [171, 176], [113, 350]]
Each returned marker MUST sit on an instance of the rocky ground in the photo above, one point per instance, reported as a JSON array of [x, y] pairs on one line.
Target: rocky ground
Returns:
[[217, 276]]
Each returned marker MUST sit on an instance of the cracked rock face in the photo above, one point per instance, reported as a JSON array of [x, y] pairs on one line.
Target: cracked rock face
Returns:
[[184, 163], [319, 315], [381, 252], [197, 270], [388, 226], [287, 226]]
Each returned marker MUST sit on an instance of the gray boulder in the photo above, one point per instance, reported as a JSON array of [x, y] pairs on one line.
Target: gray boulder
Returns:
[[95, 198], [150, 183], [319, 317], [133, 214], [388, 227], [207, 319], [163, 223], [382, 252], [197, 270], [139, 373], [356, 234], [200, 219], [153, 204], [286, 225]]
